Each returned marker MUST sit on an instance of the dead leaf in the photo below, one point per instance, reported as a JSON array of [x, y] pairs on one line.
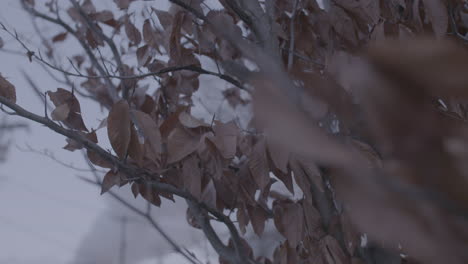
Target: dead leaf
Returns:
[[123, 4], [438, 14], [60, 113], [7, 89], [118, 128], [181, 143], [258, 164], [60, 37], [189, 121], [110, 179], [74, 119], [132, 32], [147, 128]]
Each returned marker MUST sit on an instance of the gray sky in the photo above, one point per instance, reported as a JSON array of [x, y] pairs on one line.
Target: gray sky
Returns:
[[45, 211]]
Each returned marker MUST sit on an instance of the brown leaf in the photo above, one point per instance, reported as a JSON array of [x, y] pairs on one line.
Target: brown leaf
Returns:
[[302, 179], [192, 176], [97, 160], [149, 34], [118, 128], [7, 89], [74, 119], [123, 4], [258, 164], [181, 143], [437, 58], [438, 14], [225, 138], [135, 189], [350, 234], [332, 251], [149, 194], [144, 55], [149, 130], [60, 37], [209, 195], [189, 121], [289, 221], [165, 18], [258, 216], [60, 113], [136, 150], [242, 218], [313, 221], [132, 32], [110, 179], [279, 156]]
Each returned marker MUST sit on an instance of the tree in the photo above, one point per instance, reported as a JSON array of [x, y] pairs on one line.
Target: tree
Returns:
[[361, 103]]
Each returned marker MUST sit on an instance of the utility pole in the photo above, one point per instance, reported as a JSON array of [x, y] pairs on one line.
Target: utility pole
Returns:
[[123, 240]]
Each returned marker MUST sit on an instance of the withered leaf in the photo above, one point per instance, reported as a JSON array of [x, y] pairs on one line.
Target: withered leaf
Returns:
[[438, 14], [225, 139], [146, 126], [74, 119], [289, 220], [144, 55], [132, 32], [192, 176], [118, 128], [136, 150], [332, 251], [110, 179], [258, 164], [60, 113], [258, 216], [97, 160], [189, 121], [7, 89], [165, 18], [123, 4], [60, 37], [181, 143], [278, 155]]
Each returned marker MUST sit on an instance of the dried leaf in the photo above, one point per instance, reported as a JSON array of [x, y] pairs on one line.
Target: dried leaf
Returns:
[[438, 14], [60, 113], [279, 156], [7, 89], [60, 37], [192, 176], [150, 131], [132, 32], [258, 165], [136, 150], [74, 119], [225, 138], [289, 221], [165, 18], [258, 217], [110, 179], [123, 4], [118, 128], [181, 143], [187, 120], [144, 55]]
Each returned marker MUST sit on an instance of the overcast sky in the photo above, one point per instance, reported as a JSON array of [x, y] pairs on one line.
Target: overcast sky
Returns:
[[46, 212]]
